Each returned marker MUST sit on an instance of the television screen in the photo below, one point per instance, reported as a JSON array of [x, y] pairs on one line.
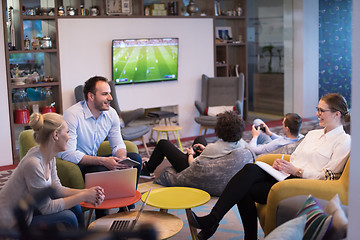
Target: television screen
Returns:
[[144, 60]]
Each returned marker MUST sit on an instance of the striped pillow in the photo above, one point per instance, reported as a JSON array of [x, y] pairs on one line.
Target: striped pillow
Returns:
[[317, 221]]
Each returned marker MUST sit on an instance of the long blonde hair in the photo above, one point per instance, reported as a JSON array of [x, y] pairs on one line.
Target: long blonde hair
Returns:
[[44, 125]]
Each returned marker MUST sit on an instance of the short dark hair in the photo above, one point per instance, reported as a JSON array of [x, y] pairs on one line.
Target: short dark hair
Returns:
[[293, 121], [90, 85], [229, 126]]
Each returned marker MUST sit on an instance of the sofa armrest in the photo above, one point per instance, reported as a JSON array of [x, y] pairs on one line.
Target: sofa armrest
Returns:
[[69, 174], [200, 106], [293, 187], [105, 149]]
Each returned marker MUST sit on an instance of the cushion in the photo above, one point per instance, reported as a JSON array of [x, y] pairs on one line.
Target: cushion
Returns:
[[215, 110], [317, 221], [293, 229], [210, 175], [340, 221]]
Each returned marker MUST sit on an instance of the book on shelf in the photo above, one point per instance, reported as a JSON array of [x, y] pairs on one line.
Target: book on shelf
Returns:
[[272, 171]]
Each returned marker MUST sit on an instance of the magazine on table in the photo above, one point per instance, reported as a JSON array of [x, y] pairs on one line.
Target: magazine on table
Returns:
[[272, 171]]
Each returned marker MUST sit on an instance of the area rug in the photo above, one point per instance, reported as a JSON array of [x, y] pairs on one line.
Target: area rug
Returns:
[[230, 226]]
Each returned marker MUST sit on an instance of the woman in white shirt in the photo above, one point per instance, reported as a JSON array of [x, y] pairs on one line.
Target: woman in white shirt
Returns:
[[36, 173], [321, 150]]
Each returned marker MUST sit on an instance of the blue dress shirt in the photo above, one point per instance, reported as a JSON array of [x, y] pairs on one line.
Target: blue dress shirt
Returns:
[[87, 133]]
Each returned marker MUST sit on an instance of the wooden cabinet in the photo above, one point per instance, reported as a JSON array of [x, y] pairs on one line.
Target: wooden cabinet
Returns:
[[269, 93], [36, 61]]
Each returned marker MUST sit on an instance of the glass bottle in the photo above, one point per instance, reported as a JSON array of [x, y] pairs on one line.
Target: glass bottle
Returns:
[[27, 43]]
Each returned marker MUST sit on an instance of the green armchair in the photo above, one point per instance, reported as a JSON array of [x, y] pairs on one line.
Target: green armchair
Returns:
[[293, 187], [68, 172]]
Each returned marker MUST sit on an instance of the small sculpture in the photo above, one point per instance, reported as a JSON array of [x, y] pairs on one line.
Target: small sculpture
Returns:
[[192, 8]]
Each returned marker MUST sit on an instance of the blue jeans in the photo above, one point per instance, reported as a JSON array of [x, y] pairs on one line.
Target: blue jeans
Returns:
[[71, 219]]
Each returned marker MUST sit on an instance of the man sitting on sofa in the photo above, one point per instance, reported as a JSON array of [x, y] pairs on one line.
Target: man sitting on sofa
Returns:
[[265, 141], [90, 122]]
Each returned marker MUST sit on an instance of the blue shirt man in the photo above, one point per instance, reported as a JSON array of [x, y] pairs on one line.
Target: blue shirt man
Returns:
[[90, 122]]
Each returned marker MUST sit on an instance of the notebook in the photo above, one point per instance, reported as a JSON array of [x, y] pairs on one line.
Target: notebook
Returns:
[[116, 183], [124, 224]]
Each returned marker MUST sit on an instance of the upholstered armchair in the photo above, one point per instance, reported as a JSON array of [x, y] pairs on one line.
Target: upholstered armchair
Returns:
[[68, 172], [219, 91], [323, 189], [131, 133]]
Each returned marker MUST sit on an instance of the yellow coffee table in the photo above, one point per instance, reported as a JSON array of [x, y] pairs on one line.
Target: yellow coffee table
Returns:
[[177, 198], [164, 131]]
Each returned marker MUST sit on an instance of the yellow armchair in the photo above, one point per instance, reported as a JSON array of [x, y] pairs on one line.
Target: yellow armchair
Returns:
[[68, 172], [292, 187]]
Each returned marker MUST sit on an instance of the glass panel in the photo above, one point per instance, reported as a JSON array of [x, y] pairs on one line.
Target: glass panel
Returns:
[[269, 37]]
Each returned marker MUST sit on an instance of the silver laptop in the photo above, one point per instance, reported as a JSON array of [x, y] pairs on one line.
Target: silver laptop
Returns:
[[116, 183], [124, 224]]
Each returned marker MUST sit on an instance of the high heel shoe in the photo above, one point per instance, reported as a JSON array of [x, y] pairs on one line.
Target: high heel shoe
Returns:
[[206, 233]]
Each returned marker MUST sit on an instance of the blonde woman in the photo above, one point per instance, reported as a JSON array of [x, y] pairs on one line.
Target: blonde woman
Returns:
[[37, 172]]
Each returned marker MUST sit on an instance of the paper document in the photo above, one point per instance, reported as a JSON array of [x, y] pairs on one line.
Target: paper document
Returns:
[[272, 171]]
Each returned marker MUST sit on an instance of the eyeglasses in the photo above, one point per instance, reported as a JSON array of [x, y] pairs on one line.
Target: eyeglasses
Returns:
[[320, 110]]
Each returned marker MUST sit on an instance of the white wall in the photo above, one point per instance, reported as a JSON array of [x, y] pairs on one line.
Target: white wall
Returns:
[[5, 139], [85, 51]]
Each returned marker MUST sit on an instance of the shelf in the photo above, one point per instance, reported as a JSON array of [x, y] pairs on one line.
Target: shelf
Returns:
[[231, 17], [35, 85], [37, 17], [229, 44], [50, 50]]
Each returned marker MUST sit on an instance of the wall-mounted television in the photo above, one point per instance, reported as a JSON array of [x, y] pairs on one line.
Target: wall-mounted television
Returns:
[[144, 60]]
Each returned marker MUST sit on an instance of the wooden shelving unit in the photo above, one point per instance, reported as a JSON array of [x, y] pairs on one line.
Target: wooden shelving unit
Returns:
[[227, 54]]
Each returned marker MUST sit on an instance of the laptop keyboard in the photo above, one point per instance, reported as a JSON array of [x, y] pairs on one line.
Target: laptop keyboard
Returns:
[[120, 225]]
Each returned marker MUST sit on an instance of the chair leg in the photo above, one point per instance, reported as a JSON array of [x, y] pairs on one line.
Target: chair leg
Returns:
[[146, 149]]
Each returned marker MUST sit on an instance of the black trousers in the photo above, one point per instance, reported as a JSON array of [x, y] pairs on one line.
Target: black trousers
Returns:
[[178, 159], [251, 184]]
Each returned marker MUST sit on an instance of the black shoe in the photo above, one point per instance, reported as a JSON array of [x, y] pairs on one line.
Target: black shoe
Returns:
[[145, 172], [193, 220], [207, 232]]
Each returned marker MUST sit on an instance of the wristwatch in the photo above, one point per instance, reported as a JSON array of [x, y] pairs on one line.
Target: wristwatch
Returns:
[[299, 172]]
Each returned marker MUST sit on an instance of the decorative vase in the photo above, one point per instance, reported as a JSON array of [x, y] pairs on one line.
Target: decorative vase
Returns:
[[192, 8]]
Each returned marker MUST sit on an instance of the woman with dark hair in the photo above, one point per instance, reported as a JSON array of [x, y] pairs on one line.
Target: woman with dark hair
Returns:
[[36, 173], [229, 128], [321, 151]]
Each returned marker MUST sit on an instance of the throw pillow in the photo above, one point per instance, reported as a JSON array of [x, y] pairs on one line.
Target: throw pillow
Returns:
[[317, 221], [293, 229], [215, 110], [340, 221]]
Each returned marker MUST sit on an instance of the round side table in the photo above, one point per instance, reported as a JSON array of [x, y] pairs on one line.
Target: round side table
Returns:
[[177, 198], [165, 224], [164, 130]]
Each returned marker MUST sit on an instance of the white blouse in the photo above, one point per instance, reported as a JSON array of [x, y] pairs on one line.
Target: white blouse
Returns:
[[319, 151]]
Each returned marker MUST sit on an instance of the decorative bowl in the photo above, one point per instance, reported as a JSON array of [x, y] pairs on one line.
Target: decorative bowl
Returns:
[[19, 80]]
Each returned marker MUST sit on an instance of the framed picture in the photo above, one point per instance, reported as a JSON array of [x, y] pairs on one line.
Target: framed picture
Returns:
[[224, 33]]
